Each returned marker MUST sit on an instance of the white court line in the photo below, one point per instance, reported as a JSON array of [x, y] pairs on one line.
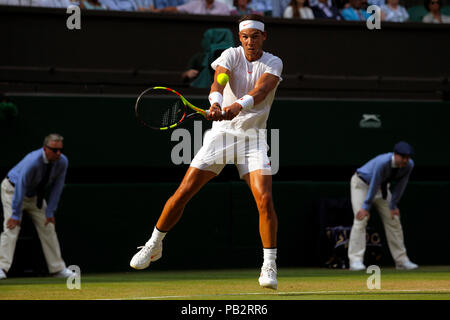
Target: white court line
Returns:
[[284, 293]]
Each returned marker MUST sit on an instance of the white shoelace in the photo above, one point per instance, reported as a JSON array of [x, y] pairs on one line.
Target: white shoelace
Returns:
[[145, 250], [270, 271], [147, 247]]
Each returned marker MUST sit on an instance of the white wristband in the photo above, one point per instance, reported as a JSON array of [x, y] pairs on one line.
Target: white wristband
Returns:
[[215, 97], [246, 101]]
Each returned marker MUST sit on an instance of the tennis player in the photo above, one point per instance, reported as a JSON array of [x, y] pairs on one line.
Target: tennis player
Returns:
[[254, 76]]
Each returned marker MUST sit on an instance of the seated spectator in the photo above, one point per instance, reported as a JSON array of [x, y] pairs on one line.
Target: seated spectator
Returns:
[[339, 4], [298, 9], [355, 12], [376, 2], [145, 5], [229, 3], [325, 9], [193, 68], [393, 12], [15, 3], [40, 3], [52, 3], [159, 4], [434, 15], [214, 42], [242, 8], [120, 5], [92, 5], [278, 7], [209, 7], [364, 5], [313, 3]]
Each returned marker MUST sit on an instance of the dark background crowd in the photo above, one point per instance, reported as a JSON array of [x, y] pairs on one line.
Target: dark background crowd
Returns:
[[427, 11]]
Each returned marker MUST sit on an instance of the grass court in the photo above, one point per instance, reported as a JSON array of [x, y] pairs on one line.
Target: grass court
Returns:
[[425, 283]]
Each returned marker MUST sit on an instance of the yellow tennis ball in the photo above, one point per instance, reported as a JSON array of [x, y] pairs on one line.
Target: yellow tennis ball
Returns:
[[222, 79]]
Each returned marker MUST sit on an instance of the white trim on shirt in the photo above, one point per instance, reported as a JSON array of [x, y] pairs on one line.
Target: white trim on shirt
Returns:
[[44, 156]]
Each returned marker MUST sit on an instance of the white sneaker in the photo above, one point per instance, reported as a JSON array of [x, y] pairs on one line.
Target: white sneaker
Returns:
[[2, 274], [64, 273], [357, 266], [268, 277], [148, 253], [406, 266]]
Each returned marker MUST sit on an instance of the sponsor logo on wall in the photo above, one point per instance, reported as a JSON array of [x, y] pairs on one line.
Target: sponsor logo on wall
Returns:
[[370, 121]]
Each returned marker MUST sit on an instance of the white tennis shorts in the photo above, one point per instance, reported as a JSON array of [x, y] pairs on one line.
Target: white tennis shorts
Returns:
[[248, 152]]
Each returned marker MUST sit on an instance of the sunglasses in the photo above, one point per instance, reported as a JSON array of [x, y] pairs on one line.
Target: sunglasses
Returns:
[[55, 150]]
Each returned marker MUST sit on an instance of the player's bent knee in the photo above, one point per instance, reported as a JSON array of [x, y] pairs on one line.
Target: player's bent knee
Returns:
[[265, 198], [265, 201]]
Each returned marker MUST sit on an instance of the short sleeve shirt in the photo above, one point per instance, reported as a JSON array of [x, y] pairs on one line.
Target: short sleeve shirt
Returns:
[[243, 78]]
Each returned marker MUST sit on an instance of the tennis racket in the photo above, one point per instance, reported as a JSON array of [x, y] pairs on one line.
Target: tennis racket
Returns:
[[162, 108]]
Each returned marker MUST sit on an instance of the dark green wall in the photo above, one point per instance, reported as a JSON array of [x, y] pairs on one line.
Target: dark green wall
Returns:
[[100, 226], [103, 131]]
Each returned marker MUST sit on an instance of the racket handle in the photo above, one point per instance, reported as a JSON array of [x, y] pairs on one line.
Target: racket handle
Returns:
[[207, 112]]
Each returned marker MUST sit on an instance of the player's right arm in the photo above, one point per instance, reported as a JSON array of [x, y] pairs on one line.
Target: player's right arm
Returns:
[[215, 111]]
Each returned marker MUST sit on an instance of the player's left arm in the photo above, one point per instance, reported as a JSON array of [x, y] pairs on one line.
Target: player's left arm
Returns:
[[265, 84]]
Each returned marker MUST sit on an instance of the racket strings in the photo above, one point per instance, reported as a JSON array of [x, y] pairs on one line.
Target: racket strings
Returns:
[[160, 109], [173, 114]]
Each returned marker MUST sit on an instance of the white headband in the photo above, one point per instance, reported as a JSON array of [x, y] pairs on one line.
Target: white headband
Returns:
[[251, 24]]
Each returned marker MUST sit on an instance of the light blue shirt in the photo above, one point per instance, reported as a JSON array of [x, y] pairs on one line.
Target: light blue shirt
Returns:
[[52, 3], [398, 15], [27, 175], [16, 2], [89, 6], [120, 5], [351, 14], [278, 7], [144, 3], [376, 2], [261, 5], [167, 3], [378, 170]]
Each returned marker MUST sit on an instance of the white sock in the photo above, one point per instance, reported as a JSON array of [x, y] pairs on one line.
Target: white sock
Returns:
[[270, 255], [157, 236]]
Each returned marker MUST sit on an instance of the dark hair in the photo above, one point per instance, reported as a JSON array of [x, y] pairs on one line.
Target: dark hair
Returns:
[[235, 2], [294, 6], [255, 17], [426, 4]]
